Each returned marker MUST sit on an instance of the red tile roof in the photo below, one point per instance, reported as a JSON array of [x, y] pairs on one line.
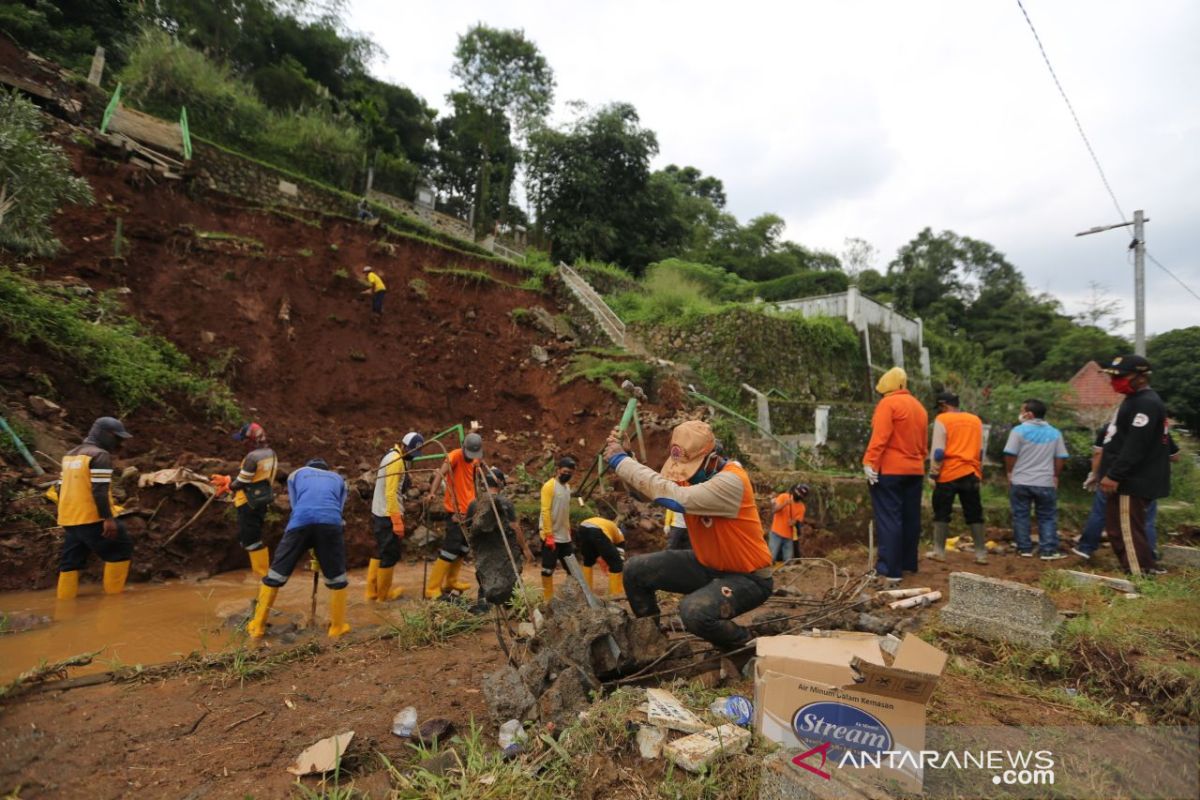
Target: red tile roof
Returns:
[[1091, 390]]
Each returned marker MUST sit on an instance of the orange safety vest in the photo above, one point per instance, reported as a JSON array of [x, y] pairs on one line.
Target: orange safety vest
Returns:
[[460, 482], [964, 442], [731, 544]]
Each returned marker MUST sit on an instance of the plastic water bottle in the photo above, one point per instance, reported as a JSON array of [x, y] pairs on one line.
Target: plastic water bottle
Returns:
[[511, 732], [736, 708], [405, 722]]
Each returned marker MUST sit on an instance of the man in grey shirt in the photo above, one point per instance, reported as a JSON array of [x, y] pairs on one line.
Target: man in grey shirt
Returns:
[[1033, 458]]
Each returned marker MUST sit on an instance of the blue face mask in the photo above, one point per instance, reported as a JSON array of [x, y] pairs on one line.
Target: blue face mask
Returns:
[[703, 474]]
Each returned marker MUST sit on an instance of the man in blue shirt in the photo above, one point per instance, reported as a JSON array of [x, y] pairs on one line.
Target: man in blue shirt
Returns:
[[1033, 459], [318, 496]]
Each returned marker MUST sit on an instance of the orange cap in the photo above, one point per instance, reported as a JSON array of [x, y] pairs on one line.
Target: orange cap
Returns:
[[691, 442]]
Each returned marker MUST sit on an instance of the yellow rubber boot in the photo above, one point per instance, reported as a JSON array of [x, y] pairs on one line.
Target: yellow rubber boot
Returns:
[[68, 585], [383, 583], [616, 584], [260, 561], [437, 574], [372, 577], [587, 576], [115, 573], [452, 581], [547, 587], [337, 613], [266, 598]]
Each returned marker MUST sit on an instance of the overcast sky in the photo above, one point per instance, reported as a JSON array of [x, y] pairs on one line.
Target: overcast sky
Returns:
[[876, 119]]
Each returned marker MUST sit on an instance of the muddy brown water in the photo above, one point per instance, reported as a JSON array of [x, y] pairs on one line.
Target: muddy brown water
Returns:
[[153, 623]]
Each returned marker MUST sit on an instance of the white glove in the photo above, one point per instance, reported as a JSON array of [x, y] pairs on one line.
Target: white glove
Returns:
[[1092, 483], [872, 475]]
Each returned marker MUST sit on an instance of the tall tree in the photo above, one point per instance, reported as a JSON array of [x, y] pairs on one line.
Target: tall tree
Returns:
[[1175, 377]]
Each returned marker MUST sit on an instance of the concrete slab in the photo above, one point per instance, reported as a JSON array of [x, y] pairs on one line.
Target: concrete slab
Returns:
[[1120, 584], [1174, 555], [999, 610]]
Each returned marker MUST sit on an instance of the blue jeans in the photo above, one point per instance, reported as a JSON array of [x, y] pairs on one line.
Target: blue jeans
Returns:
[[1045, 501], [896, 501], [781, 549], [1089, 538]]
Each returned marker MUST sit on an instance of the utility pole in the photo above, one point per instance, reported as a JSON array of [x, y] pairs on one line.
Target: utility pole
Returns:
[[1138, 245]]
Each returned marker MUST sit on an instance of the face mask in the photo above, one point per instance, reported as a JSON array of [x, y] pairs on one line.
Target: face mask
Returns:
[[563, 477], [1020, 418], [1123, 384]]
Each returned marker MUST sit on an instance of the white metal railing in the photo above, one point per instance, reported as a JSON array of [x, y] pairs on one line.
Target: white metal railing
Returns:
[[607, 318]]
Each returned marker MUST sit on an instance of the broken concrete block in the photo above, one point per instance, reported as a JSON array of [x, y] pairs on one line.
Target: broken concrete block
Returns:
[[667, 711], [697, 751], [650, 741], [1120, 584], [1179, 556], [780, 779], [999, 610]]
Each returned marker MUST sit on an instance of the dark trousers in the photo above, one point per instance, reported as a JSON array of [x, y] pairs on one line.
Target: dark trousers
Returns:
[[966, 489], [454, 543], [377, 302], [551, 557], [84, 539], [593, 544], [896, 500], [388, 546], [1125, 521], [250, 525], [713, 598], [329, 544], [677, 539]]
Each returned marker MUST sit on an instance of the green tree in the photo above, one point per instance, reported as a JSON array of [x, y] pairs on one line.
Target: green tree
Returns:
[[1173, 356], [35, 179], [1077, 346]]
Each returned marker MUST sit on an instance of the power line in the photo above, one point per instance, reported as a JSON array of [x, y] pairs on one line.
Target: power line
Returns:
[[1078, 125], [1087, 143]]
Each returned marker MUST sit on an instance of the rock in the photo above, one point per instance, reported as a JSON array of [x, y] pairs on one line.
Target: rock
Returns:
[[1179, 556], [208, 337], [650, 741], [493, 568], [506, 696], [872, 624], [539, 354], [999, 610], [421, 537], [561, 701], [45, 409]]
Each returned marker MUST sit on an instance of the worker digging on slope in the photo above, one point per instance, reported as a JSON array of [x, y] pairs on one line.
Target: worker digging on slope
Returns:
[[458, 474], [86, 511], [956, 469], [252, 493], [493, 569], [728, 570], [600, 539], [377, 289], [555, 519], [318, 496], [1135, 466], [788, 515], [387, 516], [894, 464]]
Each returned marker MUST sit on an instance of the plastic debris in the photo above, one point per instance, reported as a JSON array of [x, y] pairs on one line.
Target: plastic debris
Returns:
[[511, 732], [736, 708]]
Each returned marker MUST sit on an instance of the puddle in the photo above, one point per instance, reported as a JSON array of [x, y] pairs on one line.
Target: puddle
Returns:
[[152, 623]]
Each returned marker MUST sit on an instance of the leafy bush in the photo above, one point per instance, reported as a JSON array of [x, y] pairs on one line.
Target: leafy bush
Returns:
[[133, 366], [802, 284], [666, 294], [35, 178], [163, 75]]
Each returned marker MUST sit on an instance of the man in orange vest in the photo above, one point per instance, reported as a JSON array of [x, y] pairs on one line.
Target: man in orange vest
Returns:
[[895, 468], [458, 474], [728, 570], [956, 468], [788, 516]]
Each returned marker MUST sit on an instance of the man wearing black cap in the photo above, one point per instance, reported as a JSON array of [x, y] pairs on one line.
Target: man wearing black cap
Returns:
[[1135, 465], [86, 514], [956, 468], [555, 525]]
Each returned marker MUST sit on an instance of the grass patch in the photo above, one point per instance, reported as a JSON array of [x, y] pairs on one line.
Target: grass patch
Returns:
[[305, 252], [475, 277], [522, 316], [607, 368], [135, 367], [425, 624], [233, 238], [341, 274]]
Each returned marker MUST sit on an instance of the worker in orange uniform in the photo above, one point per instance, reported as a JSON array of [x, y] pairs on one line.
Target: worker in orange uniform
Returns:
[[252, 493], [458, 475], [86, 511], [956, 468], [728, 570], [789, 510], [895, 467], [600, 539]]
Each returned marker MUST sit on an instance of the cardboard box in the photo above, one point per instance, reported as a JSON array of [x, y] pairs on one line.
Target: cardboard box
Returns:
[[836, 694]]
